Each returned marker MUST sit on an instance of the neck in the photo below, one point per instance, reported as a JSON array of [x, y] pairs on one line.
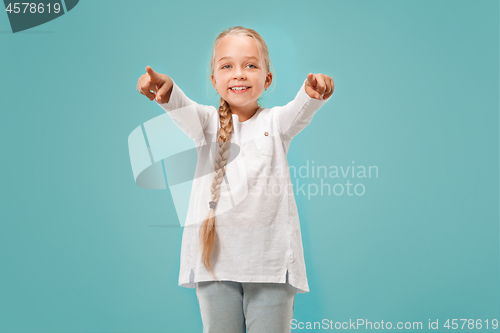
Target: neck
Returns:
[[244, 112]]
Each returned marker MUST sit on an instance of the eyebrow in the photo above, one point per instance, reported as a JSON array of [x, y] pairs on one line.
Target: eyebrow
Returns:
[[244, 58]]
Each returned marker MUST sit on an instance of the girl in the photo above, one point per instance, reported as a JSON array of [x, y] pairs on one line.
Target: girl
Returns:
[[244, 256]]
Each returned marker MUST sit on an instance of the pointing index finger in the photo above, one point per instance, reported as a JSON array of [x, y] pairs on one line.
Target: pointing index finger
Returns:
[[152, 74], [311, 80]]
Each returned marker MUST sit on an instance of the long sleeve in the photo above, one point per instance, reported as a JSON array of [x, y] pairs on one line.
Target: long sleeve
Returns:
[[189, 116], [292, 118], [259, 234]]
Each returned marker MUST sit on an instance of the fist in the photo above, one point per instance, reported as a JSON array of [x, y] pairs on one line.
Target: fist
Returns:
[[319, 86], [154, 85]]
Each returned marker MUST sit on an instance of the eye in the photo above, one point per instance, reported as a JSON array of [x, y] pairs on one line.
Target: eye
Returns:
[[252, 65], [224, 66]]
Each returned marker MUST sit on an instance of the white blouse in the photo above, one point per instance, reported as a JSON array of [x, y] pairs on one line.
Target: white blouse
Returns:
[[257, 223]]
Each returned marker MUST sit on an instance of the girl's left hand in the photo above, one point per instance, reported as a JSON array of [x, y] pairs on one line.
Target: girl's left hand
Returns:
[[319, 86]]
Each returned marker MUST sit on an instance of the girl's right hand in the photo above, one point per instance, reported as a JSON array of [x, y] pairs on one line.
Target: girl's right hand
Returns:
[[155, 85]]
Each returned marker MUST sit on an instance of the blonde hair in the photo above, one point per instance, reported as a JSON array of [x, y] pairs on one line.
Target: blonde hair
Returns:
[[208, 233]]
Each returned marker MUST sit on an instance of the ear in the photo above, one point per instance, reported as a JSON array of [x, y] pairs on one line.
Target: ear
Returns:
[[212, 77], [269, 79]]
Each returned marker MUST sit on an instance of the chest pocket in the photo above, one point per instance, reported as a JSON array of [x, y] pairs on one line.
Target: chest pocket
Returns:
[[264, 142]]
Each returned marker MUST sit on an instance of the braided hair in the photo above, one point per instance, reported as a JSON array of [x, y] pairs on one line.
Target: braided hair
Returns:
[[207, 232]]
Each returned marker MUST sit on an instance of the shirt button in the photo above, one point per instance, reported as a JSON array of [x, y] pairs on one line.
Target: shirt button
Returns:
[[292, 257], [266, 134]]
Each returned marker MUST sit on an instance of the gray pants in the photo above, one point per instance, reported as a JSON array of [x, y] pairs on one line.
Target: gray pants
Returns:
[[232, 307]]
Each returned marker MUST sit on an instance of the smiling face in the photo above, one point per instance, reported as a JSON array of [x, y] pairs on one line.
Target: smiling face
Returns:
[[238, 63]]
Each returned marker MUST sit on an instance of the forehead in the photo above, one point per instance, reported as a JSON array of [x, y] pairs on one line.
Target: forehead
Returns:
[[237, 47]]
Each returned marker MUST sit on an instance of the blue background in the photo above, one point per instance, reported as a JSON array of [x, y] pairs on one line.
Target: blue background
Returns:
[[84, 249]]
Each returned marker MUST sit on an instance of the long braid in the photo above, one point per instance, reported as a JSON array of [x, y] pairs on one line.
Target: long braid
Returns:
[[208, 234]]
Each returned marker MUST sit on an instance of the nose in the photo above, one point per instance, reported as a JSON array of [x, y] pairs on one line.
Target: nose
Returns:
[[239, 73]]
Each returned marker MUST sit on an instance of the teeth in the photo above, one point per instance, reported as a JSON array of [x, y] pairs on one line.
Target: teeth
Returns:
[[239, 88]]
